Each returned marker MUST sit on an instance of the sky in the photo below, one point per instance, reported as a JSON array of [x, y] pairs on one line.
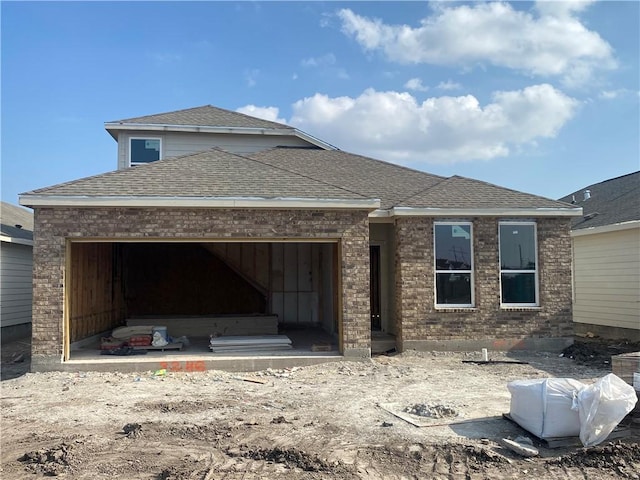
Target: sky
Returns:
[[539, 97]]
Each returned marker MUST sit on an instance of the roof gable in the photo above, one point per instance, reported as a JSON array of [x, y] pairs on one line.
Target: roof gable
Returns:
[[210, 119], [466, 193], [610, 202]]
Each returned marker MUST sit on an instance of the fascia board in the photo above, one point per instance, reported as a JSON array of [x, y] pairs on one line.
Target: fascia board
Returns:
[[313, 140], [615, 227], [486, 212], [198, 202], [155, 127], [19, 241]]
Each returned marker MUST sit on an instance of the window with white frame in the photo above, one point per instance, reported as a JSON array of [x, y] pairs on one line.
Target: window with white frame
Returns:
[[453, 246], [518, 264], [144, 150]]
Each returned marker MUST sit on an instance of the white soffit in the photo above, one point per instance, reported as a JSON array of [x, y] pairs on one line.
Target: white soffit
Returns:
[[154, 127]]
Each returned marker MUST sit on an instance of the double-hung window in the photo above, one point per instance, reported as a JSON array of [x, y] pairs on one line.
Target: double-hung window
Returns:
[[453, 246], [518, 264], [144, 150]]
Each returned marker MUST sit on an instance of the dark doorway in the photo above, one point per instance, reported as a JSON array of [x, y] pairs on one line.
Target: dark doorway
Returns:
[[374, 286]]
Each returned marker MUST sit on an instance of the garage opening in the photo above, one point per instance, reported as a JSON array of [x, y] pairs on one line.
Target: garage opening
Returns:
[[199, 290]]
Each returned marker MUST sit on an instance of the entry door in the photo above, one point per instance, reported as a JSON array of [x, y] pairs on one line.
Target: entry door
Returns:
[[374, 286]]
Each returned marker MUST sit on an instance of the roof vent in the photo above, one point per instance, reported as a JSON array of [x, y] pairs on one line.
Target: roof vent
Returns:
[[589, 216], [573, 199], [587, 194], [18, 226]]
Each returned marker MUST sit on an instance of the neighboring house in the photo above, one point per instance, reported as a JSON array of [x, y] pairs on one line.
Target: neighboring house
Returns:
[[16, 237], [606, 258], [222, 213]]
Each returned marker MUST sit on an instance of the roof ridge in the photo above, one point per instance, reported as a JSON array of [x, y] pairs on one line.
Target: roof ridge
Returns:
[[420, 192], [297, 173]]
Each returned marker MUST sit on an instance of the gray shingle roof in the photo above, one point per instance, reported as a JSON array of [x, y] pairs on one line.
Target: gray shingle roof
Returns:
[[612, 201], [366, 176], [212, 173], [205, 116], [305, 173], [462, 192], [12, 215]]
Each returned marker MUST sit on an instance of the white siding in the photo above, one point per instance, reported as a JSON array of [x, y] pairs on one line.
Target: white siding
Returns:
[[607, 279], [183, 143], [16, 265]]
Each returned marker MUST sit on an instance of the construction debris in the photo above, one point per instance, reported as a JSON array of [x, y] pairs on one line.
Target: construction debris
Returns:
[[253, 343], [522, 446]]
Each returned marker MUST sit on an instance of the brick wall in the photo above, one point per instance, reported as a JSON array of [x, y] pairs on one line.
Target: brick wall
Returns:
[[53, 226], [420, 323]]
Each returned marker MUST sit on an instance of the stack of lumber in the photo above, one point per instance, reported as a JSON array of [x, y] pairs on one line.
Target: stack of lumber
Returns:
[[253, 343]]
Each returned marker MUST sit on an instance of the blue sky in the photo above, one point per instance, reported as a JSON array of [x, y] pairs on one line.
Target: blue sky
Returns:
[[539, 97]]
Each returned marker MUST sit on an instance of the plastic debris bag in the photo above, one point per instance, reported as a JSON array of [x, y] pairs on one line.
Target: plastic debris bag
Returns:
[[158, 340], [544, 406], [602, 406]]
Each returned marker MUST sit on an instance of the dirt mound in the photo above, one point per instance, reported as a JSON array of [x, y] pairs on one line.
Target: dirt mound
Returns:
[[50, 461], [132, 430], [624, 459], [187, 407], [290, 458], [210, 433], [598, 351]]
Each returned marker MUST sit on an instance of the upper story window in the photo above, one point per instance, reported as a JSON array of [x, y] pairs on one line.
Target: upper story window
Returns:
[[453, 248], [518, 264], [144, 150]]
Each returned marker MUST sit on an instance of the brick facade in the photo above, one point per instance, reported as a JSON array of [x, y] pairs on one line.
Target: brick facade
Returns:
[[423, 326], [418, 323], [54, 226]]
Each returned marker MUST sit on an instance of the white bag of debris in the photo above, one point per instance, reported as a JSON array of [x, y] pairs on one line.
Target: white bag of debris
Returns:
[[602, 406], [544, 406]]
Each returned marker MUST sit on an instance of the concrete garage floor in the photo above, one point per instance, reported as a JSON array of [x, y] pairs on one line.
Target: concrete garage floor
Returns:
[[198, 357]]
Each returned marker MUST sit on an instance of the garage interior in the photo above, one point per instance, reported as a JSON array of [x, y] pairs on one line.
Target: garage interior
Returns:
[[198, 289]]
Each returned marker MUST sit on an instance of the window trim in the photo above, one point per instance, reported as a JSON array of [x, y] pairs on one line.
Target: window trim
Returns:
[[143, 138], [535, 272], [471, 271]]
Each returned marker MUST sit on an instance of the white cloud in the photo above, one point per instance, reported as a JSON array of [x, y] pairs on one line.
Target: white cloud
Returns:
[[265, 113], [321, 61], [562, 8], [416, 84], [165, 58], [449, 85], [614, 94], [551, 43], [251, 77], [393, 126]]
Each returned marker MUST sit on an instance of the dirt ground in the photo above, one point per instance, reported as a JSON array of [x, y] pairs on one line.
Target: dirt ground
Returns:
[[322, 422]]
